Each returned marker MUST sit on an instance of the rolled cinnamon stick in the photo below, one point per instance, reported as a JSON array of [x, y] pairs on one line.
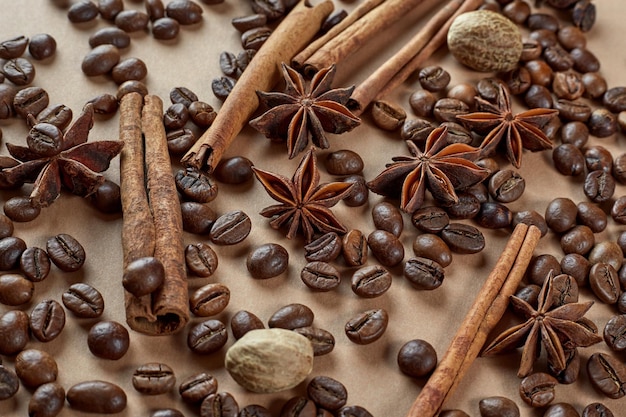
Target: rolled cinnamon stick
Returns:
[[292, 34]]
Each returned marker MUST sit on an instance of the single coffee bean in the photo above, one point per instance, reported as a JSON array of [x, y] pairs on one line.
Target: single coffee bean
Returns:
[[198, 218], [584, 60], [615, 333], [431, 246], [143, 276], [14, 47], [386, 247], [568, 85], [47, 400], [599, 186], [493, 215], [540, 72], [446, 109], [602, 123], [7, 95], [110, 8], [272, 9], [488, 88], [597, 410], [107, 198], [298, 407], [517, 11], [542, 21], [165, 28], [518, 80], [569, 375], [327, 392], [417, 358], [434, 78], [326, 248], [209, 300], [250, 21], [201, 259], [255, 38], [15, 330], [100, 60], [618, 210], [530, 217], [104, 104], [291, 317], [243, 321], [65, 252], [367, 327], [538, 96], [453, 413], [463, 238], [234, 170], [97, 396], [166, 412], [82, 11], [267, 261], [387, 217], [577, 111], [558, 58], [110, 36], [604, 282], [344, 162], [571, 37], [132, 20], [197, 387], [175, 116], [207, 337], [577, 266], [180, 140], [537, 389], [614, 99], [354, 248], [359, 193], [83, 300], [185, 12], [584, 15], [416, 130], [15, 290], [202, 114], [182, 95], [531, 50], [595, 85], [592, 215], [155, 9], [529, 293], [58, 115], [467, 206], [430, 219], [457, 133], [9, 383], [619, 168], [11, 249], [561, 410], [108, 340], [320, 276], [607, 374], [575, 133], [153, 378], [561, 214], [195, 185], [20, 71], [323, 341], [222, 86], [423, 273], [129, 69], [30, 100], [353, 411], [371, 281], [565, 290], [422, 102], [568, 159], [540, 266], [35, 367], [47, 320], [230, 228], [498, 407], [466, 92], [579, 239], [387, 116]]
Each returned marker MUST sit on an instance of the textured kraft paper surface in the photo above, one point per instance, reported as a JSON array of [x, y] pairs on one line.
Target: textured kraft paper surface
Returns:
[[370, 372]]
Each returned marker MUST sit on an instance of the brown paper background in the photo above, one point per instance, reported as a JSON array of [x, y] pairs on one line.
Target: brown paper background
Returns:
[[369, 372]]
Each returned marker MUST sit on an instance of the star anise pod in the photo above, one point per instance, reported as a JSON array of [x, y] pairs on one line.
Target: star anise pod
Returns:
[[558, 329], [442, 168], [304, 202], [301, 112], [519, 131], [52, 160]]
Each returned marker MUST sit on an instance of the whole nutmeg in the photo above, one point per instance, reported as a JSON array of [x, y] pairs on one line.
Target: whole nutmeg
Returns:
[[485, 41], [270, 360]]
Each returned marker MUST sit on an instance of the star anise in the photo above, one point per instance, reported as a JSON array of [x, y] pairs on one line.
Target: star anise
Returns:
[[301, 112], [556, 328], [519, 131], [53, 160], [442, 168], [304, 203]]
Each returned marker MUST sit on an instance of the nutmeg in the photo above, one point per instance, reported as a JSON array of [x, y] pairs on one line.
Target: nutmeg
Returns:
[[485, 41]]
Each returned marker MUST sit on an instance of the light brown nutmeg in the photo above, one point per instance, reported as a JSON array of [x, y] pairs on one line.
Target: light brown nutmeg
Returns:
[[485, 41]]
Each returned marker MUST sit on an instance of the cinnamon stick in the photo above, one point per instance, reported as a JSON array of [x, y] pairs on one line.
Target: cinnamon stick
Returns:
[[292, 34], [488, 308]]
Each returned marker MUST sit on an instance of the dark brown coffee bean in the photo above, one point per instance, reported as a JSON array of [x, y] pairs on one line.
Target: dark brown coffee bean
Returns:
[[367, 327], [614, 99], [298, 407], [326, 248], [579, 239], [244, 321], [155, 9], [35, 367], [222, 86], [558, 58], [538, 96], [615, 333], [20, 71], [110, 8], [542, 21], [15, 290], [569, 110], [110, 36], [577, 266], [65, 252], [568, 160], [618, 210], [561, 214], [322, 340], [47, 400], [568, 85], [165, 28], [530, 217], [602, 123], [608, 252], [572, 368], [353, 411], [291, 317], [132, 20], [143, 276], [584, 15], [255, 38], [498, 406], [387, 217], [83, 300], [417, 358], [234, 170], [13, 48], [358, 194], [197, 387], [607, 374], [431, 246], [129, 69], [618, 169], [267, 261], [108, 340], [195, 185], [446, 109], [493, 215], [97, 397], [272, 9], [423, 273], [175, 116], [185, 12], [83, 11], [11, 249], [565, 290], [30, 100], [327, 392], [131, 86], [463, 238], [153, 379], [430, 219], [571, 37], [584, 60], [104, 104], [180, 140], [597, 410], [453, 413], [537, 389], [166, 412], [604, 282], [7, 95], [457, 133], [209, 300], [467, 206], [575, 133], [47, 320], [540, 72], [371, 281], [15, 330], [540, 266], [434, 78], [100, 60], [386, 247], [488, 88], [244, 23], [531, 50], [35, 264], [517, 11], [416, 130], [422, 102], [354, 248], [387, 116], [202, 114], [529, 293], [107, 198], [198, 218], [320, 276], [230, 228], [201, 259], [182, 95], [599, 186], [207, 337], [591, 215], [344, 162], [58, 115]]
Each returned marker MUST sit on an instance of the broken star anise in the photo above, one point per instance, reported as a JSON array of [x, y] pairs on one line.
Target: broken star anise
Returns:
[[52, 160], [557, 328], [514, 132], [301, 112], [442, 168], [304, 202]]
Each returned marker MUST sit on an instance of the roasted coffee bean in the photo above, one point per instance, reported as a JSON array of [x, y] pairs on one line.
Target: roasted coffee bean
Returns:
[[65, 252], [202, 114], [230, 228], [602, 123], [7, 95], [244, 23], [358, 194], [153, 378], [47, 400], [577, 266], [569, 110], [198, 218], [386, 247], [322, 340], [540, 266], [100, 60], [422, 102], [542, 21], [545, 37], [387, 115], [320, 276], [538, 96], [272, 9], [466, 92], [182, 95], [180, 140], [463, 238], [592, 215], [579, 239], [569, 375], [131, 86], [197, 387], [614, 99], [568, 85], [58, 115], [326, 248], [434, 78], [97, 397], [387, 217], [15, 330], [35, 264], [517, 11], [20, 71], [575, 133], [30, 100], [584, 60], [457, 133], [518, 80], [618, 210], [82, 11], [568, 160], [222, 86], [47, 320], [416, 130], [267, 261], [608, 252], [597, 410], [165, 28], [166, 412], [35, 367], [498, 406], [571, 37], [104, 104], [599, 186], [354, 248], [129, 69], [11, 249], [488, 88], [291, 317], [44, 138], [423, 273], [558, 58], [110, 8], [493, 215], [529, 293], [561, 214], [353, 411], [209, 300], [371, 281], [417, 358], [561, 410], [143, 276], [254, 38], [619, 168], [108, 340], [367, 327], [155, 9], [185, 12], [107, 198], [431, 219], [343, 162], [531, 50], [13, 48], [175, 116], [431, 246], [327, 392], [565, 290], [467, 206], [607, 374], [530, 217], [243, 321], [604, 282], [195, 185], [110, 36], [233, 170], [207, 337], [201, 259], [83, 300], [540, 72], [584, 15], [132, 20], [446, 109], [615, 333], [15, 290], [298, 407]]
